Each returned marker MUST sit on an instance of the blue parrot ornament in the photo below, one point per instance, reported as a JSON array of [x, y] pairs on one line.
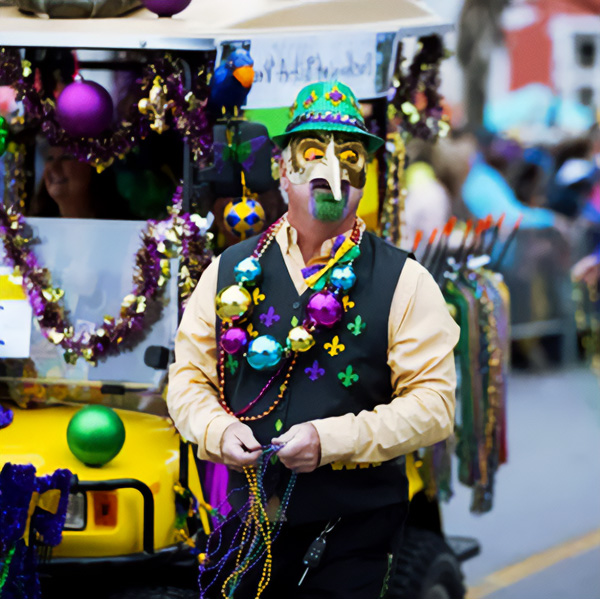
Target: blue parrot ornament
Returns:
[[231, 82]]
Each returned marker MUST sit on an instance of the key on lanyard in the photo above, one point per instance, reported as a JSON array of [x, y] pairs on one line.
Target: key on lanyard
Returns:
[[316, 550]]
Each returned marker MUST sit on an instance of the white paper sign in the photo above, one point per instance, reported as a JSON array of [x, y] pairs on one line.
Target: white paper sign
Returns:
[[15, 328], [284, 65]]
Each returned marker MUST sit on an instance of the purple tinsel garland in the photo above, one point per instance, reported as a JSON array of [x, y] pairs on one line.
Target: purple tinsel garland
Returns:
[[18, 557], [150, 278], [188, 112]]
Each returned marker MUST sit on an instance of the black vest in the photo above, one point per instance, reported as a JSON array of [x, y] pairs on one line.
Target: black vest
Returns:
[[346, 371]]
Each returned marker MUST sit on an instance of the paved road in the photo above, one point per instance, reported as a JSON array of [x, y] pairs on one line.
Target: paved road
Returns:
[[546, 496]]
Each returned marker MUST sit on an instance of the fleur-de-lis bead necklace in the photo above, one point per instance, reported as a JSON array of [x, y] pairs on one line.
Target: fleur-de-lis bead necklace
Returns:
[[234, 305]]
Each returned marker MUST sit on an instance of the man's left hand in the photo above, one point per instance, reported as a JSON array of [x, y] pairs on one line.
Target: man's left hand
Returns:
[[302, 448]]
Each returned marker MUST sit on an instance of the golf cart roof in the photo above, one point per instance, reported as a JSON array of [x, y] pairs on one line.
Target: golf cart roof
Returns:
[[204, 25]]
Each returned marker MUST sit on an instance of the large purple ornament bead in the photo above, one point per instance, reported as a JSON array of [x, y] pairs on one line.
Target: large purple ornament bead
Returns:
[[324, 308], [166, 8], [234, 340], [84, 109]]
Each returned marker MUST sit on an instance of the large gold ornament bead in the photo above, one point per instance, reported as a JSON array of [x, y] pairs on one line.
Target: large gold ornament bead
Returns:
[[233, 303], [299, 339]]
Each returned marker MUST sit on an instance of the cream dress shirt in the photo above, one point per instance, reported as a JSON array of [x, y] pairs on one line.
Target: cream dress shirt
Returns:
[[421, 339]]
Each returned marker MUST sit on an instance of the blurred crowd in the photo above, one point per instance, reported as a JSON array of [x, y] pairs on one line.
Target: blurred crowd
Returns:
[[552, 192]]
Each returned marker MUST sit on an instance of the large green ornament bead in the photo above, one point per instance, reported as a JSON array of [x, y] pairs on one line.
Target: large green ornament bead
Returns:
[[3, 135], [264, 353], [299, 339], [343, 277], [233, 303], [95, 435], [248, 271]]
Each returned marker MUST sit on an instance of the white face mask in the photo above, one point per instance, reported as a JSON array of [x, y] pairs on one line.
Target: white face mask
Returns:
[[327, 160]]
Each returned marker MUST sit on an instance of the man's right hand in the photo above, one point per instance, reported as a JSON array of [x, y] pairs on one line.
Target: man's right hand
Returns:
[[239, 448]]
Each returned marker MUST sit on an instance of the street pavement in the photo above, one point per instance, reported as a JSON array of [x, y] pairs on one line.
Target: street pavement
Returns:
[[542, 538]]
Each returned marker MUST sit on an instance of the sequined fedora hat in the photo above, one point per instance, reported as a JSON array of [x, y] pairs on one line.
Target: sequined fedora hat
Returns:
[[327, 106]]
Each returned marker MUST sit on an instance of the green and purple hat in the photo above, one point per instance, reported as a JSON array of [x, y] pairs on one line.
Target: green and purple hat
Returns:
[[328, 106]]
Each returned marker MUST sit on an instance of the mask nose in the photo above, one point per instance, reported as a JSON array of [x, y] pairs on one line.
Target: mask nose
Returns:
[[334, 175]]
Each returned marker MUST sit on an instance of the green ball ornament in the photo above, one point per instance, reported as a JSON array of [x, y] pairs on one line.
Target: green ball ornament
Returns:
[[3, 135], [95, 435]]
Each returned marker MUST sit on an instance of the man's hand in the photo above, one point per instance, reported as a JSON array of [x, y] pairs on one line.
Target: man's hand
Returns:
[[239, 448], [302, 448]]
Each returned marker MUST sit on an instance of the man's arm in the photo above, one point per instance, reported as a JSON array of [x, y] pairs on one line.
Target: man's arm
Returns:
[[193, 394], [422, 336]]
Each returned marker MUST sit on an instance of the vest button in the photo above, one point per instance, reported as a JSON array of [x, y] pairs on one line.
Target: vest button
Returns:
[[296, 305]]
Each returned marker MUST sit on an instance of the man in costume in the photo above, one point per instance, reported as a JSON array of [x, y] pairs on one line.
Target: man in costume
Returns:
[[327, 343]]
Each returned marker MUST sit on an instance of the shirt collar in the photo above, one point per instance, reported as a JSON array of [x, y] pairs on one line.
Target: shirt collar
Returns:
[[287, 237]]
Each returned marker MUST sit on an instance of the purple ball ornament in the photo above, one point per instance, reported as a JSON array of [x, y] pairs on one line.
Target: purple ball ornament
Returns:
[[84, 109], [234, 340], [166, 8], [324, 308]]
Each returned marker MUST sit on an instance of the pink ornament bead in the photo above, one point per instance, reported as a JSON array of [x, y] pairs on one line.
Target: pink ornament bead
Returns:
[[234, 340], [324, 308], [84, 109]]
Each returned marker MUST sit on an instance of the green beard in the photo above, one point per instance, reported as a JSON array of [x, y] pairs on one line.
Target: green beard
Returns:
[[326, 209]]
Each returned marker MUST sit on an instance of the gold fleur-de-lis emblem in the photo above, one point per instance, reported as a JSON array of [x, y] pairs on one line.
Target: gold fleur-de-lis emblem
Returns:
[[348, 303], [157, 106], [251, 331], [257, 296], [335, 347]]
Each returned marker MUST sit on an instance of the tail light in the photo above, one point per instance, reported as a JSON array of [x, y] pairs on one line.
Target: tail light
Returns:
[[105, 508]]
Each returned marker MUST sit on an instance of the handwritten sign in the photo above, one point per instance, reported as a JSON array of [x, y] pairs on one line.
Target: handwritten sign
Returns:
[[284, 65]]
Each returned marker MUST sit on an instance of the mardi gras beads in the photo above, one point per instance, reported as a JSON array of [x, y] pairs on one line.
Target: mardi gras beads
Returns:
[[233, 303], [343, 277], [264, 353], [324, 308], [234, 340], [299, 339]]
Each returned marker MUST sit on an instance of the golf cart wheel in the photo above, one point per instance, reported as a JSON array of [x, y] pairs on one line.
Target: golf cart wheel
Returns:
[[425, 568], [155, 593]]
